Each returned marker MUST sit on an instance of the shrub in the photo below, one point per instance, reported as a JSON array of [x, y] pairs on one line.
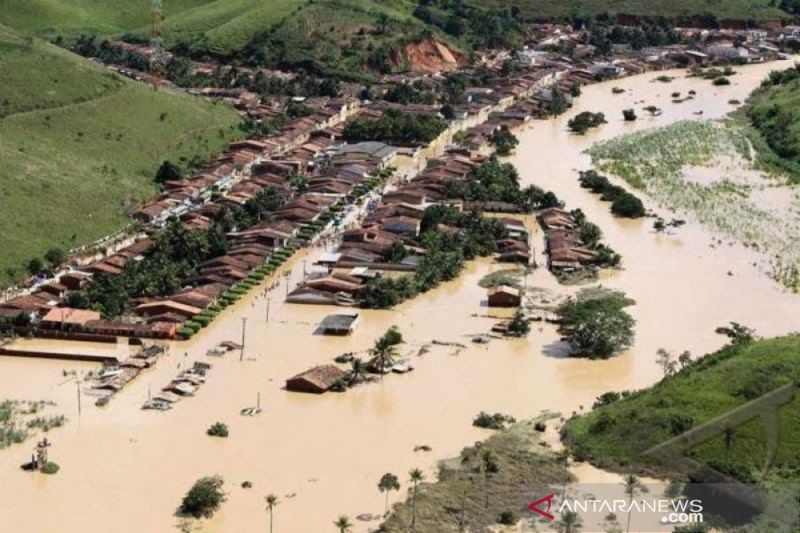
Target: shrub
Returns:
[[627, 205], [582, 122], [507, 518], [204, 498], [721, 81], [191, 324], [629, 115], [540, 427], [185, 333], [218, 429], [495, 421], [202, 320], [50, 468]]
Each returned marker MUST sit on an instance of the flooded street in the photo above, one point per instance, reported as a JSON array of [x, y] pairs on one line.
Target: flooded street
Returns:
[[126, 470]]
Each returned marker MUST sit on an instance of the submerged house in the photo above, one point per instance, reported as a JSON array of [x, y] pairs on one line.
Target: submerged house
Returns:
[[343, 324], [316, 380]]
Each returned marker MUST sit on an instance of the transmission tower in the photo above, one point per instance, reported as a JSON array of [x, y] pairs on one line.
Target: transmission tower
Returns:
[[157, 61]]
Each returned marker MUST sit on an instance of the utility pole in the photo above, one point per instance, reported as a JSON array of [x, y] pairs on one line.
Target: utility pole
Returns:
[[244, 328], [78, 389], [157, 62], [268, 310]]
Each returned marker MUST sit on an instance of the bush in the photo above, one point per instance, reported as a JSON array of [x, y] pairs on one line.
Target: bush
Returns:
[[582, 122], [627, 205], [629, 115], [495, 421], [721, 81], [202, 320], [185, 333], [218, 429], [204, 498], [50, 468], [191, 324], [540, 427], [507, 518]]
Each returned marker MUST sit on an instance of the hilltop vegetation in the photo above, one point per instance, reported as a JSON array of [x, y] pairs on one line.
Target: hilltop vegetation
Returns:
[[615, 434], [774, 110], [721, 9], [80, 146]]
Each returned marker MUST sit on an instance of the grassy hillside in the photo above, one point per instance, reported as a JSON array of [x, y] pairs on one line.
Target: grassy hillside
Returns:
[[774, 110], [48, 18], [722, 9], [79, 146], [615, 435]]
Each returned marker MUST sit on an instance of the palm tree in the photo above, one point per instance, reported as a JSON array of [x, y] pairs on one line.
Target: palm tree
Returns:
[[563, 457], [383, 354], [358, 371], [632, 487], [388, 482], [343, 524], [570, 522], [488, 467], [730, 439], [272, 502], [416, 477]]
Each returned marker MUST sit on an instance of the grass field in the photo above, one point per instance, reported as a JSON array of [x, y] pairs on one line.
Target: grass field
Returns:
[[48, 18], [615, 435], [80, 145], [722, 9]]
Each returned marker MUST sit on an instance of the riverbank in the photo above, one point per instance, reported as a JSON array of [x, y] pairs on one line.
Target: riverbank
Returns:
[[117, 460]]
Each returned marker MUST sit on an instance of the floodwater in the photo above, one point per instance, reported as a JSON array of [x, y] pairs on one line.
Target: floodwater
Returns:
[[125, 470]]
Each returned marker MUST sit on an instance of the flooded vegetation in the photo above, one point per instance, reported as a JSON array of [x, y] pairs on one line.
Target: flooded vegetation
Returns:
[[708, 170]]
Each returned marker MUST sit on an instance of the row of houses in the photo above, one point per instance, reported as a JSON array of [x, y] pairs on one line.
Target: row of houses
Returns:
[[565, 249]]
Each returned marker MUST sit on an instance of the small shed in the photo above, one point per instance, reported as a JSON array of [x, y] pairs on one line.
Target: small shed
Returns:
[[504, 296], [343, 324], [316, 380]]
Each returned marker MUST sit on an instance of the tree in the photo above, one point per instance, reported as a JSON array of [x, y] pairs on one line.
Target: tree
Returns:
[[729, 438], [597, 326], [519, 326], [737, 333], [358, 371], [504, 141], [685, 358], [582, 122], [666, 361], [272, 502], [343, 524], [558, 103], [218, 429], [416, 477], [575, 90], [55, 257], [35, 266], [167, 171], [204, 498], [489, 466], [570, 522], [632, 487], [387, 483], [629, 115], [628, 206]]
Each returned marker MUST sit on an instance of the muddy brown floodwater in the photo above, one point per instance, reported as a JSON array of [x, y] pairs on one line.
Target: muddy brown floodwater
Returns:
[[125, 470]]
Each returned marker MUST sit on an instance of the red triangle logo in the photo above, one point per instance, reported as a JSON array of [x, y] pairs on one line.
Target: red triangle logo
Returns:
[[535, 506]]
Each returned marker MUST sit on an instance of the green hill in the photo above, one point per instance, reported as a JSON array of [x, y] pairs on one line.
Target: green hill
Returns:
[[80, 145], [614, 435], [722, 9], [774, 110]]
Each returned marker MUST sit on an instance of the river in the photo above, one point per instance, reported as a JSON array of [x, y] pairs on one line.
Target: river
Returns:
[[125, 470]]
